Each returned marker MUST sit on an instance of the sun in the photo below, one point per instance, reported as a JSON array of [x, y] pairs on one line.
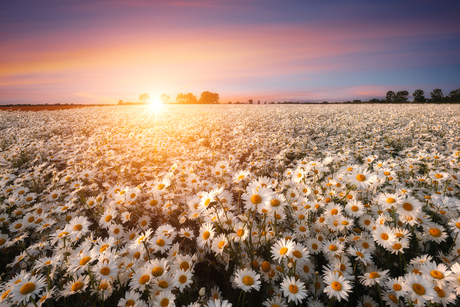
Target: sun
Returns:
[[155, 103]]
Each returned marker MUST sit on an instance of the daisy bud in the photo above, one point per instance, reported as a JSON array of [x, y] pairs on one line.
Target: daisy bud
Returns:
[[202, 291], [194, 257], [290, 265]]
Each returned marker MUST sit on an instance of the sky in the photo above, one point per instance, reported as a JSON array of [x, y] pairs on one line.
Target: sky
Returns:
[[55, 51]]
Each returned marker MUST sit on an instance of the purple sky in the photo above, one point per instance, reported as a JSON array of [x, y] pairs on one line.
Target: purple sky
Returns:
[[103, 51]]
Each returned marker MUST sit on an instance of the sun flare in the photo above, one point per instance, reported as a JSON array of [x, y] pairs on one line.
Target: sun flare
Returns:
[[155, 103]]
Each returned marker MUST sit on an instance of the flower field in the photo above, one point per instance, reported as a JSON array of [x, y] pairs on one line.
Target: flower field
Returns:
[[269, 205]]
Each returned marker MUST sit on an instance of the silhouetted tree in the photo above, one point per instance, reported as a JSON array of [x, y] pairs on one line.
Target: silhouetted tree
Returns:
[[454, 96], [250, 101], [165, 99], [120, 101], [209, 98], [188, 98], [144, 97], [419, 95], [401, 96], [374, 100], [437, 95], [390, 97]]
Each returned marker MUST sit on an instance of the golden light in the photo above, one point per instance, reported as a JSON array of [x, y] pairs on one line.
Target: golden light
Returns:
[[155, 102]]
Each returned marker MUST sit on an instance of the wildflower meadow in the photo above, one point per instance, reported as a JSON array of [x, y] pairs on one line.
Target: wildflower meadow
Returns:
[[231, 205]]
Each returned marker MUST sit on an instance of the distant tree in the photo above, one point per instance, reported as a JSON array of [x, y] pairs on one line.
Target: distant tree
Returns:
[[144, 97], [374, 100], [229, 102], [454, 96], [265, 102], [437, 95], [401, 96], [390, 97], [209, 98], [419, 96], [165, 99], [357, 101], [120, 101], [250, 101], [258, 101], [188, 98]]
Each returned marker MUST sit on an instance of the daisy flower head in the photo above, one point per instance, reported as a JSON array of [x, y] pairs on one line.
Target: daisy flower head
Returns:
[[182, 279], [27, 288], [409, 207], [78, 285], [436, 273], [164, 299], [257, 199], [419, 288], [206, 234], [294, 290], [333, 247], [275, 301], [362, 178], [218, 303], [131, 299], [281, 249], [247, 279], [373, 276], [354, 208], [435, 232], [337, 286], [384, 236]]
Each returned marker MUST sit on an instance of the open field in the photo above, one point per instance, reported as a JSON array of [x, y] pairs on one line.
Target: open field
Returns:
[[273, 205], [41, 107]]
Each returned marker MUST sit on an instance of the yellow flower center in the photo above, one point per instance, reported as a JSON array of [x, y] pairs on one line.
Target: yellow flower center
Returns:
[[408, 207], [283, 250], [361, 177], [164, 302], [77, 286], [336, 286], [374, 275], [161, 242], [27, 288], [256, 199], [183, 279], [163, 284], [293, 289], [333, 248], [85, 260], [206, 235], [419, 289], [435, 232], [158, 271], [248, 281], [391, 200], [144, 279], [437, 274], [275, 202], [105, 271]]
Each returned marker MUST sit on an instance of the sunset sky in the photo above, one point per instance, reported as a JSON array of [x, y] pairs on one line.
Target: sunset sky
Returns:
[[103, 51]]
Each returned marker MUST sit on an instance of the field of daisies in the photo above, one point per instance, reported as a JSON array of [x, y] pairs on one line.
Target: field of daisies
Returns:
[[272, 205]]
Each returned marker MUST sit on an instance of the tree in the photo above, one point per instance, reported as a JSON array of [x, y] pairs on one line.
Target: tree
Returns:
[[165, 99], [144, 97], [401, 96], [419, 96], [390, 97], [454, 96], [437, 95], [374, 100], [188, 98], [209, 98], [250, 101], [120, 101]]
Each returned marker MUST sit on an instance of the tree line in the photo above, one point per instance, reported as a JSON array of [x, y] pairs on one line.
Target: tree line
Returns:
[[205, 98], [437, 96]]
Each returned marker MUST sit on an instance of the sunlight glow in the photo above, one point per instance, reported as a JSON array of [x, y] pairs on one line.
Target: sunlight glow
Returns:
[[155, 102]]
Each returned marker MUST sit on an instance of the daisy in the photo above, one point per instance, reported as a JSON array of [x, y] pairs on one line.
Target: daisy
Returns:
[[131, 299], [106, 270], [219, 303], [373, 276], [141, 279], [206, 234], [384, 236], [435, 232], [354, 208], [419, 288], [78, 285], [409, 207], [294, 290], [28, 287], [182, 279], [247, 279], [360, 254], [436, 273], [164, 299], [281, 249], [257, 199], [362, 178], [219, 243], [275, 301], [337, 286], [333, 247]]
